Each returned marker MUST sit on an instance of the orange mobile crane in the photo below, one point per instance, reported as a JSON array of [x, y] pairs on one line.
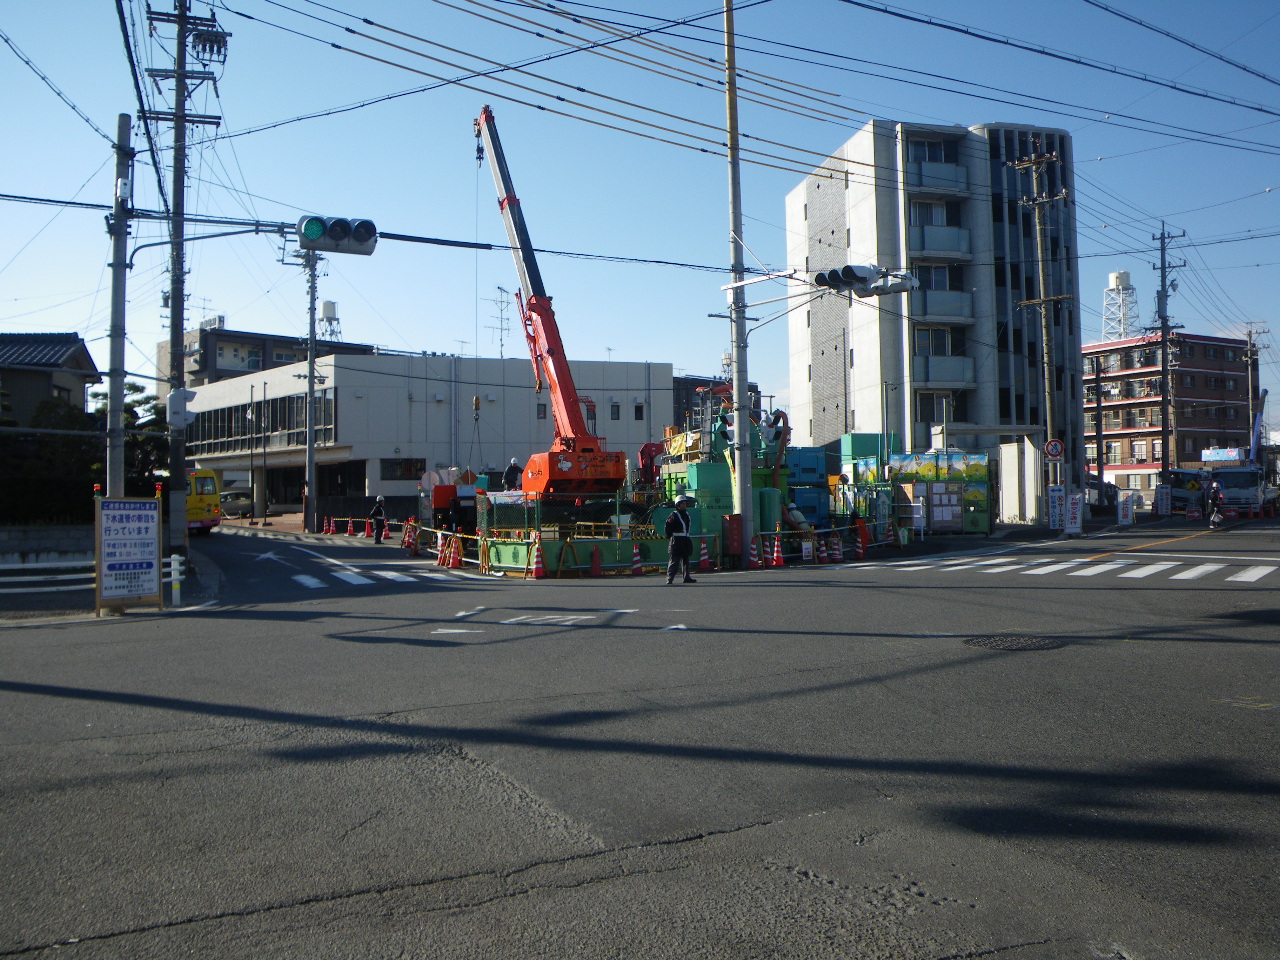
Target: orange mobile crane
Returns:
[[577, 461]]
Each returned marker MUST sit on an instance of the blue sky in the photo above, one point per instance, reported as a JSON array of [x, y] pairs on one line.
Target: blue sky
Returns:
[[409, 163]]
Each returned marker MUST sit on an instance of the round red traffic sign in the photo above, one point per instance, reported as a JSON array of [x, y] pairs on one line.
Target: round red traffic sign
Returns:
[[1053, 449]]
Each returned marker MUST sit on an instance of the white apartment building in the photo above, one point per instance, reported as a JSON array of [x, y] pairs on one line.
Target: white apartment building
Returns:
[[384, 419], [944, 203]]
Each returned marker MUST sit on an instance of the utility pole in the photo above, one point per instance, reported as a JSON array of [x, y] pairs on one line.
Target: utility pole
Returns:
[[743, 459], [1166, 383], [118, 227], [1098, 437], [1251, 355], [210, 43], [1036, 165], [309, 260]]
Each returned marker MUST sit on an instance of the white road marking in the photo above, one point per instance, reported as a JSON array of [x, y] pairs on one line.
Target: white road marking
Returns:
[[1054, 567], [439, 576], [350, 577], [1100, 568], [312, 582], [467, 613], [1250, 574], [394, 575], [452, 630], [1006, 568], [1195, 573], [1147, 570], [676, 626], [622, 611], [978, 563]]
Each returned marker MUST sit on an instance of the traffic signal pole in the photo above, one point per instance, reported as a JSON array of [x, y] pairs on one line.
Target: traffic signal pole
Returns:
[[743, 501], [309, 517]]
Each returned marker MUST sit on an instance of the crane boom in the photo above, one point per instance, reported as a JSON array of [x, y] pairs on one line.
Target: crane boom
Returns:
[[577, 461]]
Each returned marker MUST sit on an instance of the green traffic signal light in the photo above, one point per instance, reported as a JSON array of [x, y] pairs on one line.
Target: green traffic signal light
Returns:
[[311, 228]]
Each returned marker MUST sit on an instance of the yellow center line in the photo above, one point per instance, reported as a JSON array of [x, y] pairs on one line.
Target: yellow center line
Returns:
[[1144, 546]]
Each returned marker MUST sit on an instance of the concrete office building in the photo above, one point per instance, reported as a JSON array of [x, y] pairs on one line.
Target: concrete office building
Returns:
[[384, 419], [943, 203]]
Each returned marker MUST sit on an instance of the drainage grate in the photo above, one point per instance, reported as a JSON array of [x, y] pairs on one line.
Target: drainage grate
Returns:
[[1015, 643]]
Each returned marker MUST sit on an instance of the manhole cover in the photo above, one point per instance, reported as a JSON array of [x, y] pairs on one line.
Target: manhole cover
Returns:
[[1015, 643]]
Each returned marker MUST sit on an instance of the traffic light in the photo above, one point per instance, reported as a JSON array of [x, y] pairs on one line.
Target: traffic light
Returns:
[[176, 407], [866, 280], [337, 235]]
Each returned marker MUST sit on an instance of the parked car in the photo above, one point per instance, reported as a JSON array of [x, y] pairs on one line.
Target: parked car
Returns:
[[237, 503]]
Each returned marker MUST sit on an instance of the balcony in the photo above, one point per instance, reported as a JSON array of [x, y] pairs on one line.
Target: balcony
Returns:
[[937, 177], [954, 373], [940, 241], [941, 303]]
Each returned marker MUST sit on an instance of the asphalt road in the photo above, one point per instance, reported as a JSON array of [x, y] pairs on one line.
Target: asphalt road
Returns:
[[341, 754]]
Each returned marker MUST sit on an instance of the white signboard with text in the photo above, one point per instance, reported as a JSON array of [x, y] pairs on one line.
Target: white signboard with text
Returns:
[[1125, 513], [128, 552], [1075, 513], [1056, 499]]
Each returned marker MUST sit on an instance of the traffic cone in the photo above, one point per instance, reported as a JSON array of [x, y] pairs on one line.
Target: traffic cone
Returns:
[[704, 561], [597, 569], [333, 527], [753, 559], [455, 557], [837, 551], [822, 550], [368, 529], [637, 565], [777, 552], [859, 548], [539, 571], [441, 543], [351, 527]]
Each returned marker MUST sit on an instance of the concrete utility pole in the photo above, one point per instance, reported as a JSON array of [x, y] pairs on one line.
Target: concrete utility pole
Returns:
[[1036, 165], [743, 501], [211, 43], [118, 227], [1166, 382], [1251, 356]]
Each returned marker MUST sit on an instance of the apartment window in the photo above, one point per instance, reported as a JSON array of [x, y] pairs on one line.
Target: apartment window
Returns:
[[1135, 481], [1091, 453], [1113, 451], [933, 151], [639, 411], [1157, 450], [1188, 445], [1139, 448], [1213, 413], [1232, 383], [402, 469], [1229, 354], [1188, 379], [542, 411], [1188, 411], [1211, 353], [1213, 383], [939, 276], [615, 411], [1231, 413], [934, 407], [939, 342]]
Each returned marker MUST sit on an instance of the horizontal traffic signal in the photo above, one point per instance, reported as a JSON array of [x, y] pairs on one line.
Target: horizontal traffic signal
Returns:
[[337, 235], [865, 280]]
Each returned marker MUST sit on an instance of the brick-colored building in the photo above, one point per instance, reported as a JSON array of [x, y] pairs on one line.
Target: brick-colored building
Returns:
[[1214, 392]]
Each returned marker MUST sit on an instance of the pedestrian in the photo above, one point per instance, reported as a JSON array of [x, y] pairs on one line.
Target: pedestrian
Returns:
[[1215, 504], [679, 532], [511, 475], [379, 517]]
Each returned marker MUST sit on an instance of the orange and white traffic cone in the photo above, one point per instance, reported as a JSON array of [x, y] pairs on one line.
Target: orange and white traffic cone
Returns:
[[351, 527], [822, 550], [753, 559], [778, 561], [837, 551], [455, 558], [637, 565], [368, 529], [859, 548], [539, 571], [704, 561]]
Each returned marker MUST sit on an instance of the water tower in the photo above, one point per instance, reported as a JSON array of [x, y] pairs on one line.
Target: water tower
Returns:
[[1119, 308]]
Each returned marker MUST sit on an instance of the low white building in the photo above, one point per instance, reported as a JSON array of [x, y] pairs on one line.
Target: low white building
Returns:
[[384, 419]]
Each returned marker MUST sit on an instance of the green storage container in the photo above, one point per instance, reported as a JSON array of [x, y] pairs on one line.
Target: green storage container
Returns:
[[710, 475], [768, 508]]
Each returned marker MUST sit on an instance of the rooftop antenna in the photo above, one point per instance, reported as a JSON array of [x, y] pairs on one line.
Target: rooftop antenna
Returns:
[[502, 301]]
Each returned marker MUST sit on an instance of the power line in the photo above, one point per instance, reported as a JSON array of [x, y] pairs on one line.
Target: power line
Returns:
[[52, 86]]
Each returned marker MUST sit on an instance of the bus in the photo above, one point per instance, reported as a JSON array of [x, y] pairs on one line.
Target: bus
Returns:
[[204, 508]]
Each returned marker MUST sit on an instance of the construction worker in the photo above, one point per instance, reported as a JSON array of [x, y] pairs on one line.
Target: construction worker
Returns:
[[511, 475], [679, 532], [379, 517], [794, 519], [1215, 504]]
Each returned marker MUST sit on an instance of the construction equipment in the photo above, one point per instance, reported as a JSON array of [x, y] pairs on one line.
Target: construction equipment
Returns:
[[577, 461]]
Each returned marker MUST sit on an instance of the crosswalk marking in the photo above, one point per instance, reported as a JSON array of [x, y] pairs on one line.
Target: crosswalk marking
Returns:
[[312, 583], [1251, 574], [1007, 567], [978, 563], [1100, 568], [1054, 567], [1147, 570], [394, 575], [350, 577], [1195, 573]]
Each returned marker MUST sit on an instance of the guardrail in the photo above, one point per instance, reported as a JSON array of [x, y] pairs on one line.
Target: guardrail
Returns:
[[72, 575]]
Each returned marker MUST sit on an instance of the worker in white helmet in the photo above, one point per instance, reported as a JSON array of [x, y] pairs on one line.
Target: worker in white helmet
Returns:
[[511, 475]]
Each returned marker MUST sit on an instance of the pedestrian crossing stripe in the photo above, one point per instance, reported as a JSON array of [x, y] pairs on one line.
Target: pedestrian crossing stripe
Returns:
[[1125, 568]]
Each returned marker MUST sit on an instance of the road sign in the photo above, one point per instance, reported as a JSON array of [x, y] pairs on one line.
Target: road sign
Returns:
[[1053, 450], [128, 554]]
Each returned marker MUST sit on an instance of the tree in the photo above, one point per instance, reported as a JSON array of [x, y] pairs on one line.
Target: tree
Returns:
[[48, 478], [144, 456]]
